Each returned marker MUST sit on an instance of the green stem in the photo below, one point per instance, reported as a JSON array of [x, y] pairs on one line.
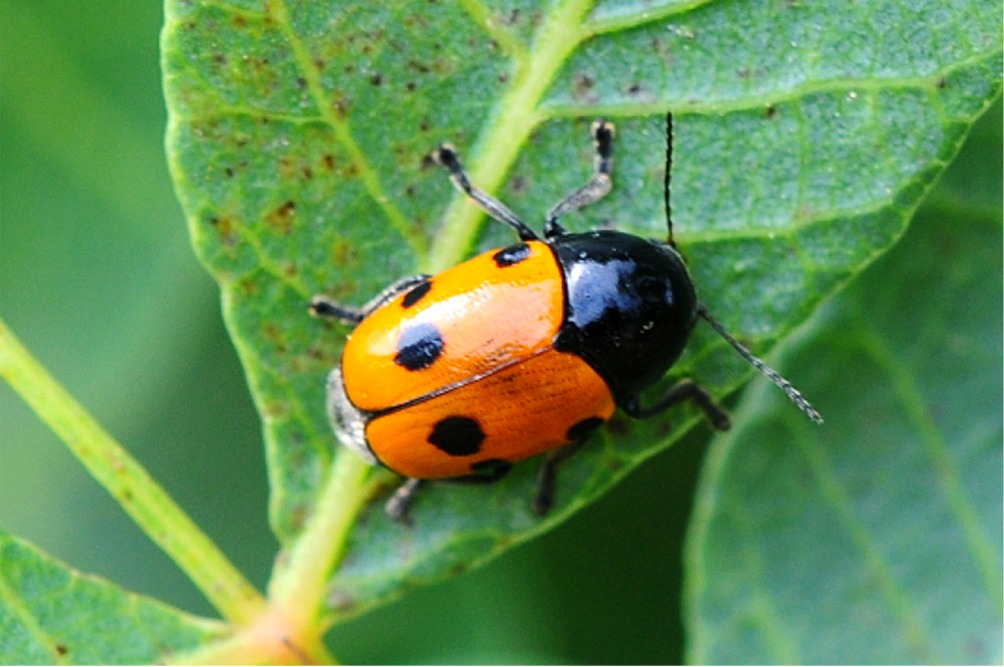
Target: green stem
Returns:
[[291, 629], [267, 642], [299, 584], [126, 480]]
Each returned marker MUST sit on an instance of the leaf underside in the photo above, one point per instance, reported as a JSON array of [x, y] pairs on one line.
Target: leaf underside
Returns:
[[806, 135]]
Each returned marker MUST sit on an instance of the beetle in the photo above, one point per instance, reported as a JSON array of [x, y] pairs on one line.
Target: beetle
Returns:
[[522, 350]]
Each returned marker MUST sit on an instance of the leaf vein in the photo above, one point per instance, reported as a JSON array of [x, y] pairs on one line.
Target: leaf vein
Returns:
[[764, 608], [516, 117], [618, 22], [876, 565], [510, 44], [13, 602], [911, 398], [925, 82], [367, 175]]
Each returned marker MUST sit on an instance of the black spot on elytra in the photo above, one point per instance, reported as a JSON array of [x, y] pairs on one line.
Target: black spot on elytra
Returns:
[[583, 429], [514, 254], [416, 293], [419, 347], [457, 436]]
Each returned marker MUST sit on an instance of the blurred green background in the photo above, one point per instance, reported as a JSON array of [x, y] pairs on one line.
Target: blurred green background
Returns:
[[97, 278]]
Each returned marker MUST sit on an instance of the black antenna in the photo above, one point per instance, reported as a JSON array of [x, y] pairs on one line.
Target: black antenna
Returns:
[[669, 170], [795, 395]]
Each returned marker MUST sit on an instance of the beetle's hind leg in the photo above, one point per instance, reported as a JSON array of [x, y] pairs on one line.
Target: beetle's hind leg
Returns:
[[400, 502], [543, 500], [597, 187], [398, 505]]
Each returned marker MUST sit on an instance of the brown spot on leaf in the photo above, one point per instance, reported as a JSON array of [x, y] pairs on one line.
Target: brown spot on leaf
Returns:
[[343, 253], [248, 288], [274, 335], [517, 185], [512, 18], [281, 218], [582, 85], [224, 225], [341, 106], [419, 67]]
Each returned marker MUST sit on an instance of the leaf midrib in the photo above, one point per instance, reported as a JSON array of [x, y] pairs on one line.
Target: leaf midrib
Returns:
[[506, 131]]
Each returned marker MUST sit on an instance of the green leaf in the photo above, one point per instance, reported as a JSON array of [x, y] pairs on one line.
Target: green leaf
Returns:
[[806, 135], [50, 614], [877, 538]]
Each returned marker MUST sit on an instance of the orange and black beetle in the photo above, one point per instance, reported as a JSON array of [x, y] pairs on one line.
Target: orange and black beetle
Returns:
[[519, 351]]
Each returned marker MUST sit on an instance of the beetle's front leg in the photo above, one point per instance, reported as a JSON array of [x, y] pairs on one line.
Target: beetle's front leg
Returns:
[[322, 306]]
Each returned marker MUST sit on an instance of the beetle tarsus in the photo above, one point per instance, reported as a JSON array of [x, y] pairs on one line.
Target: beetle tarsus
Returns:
[[401, 501]]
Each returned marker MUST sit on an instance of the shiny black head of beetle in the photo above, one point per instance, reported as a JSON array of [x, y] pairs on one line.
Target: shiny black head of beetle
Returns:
[[629, 307]]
